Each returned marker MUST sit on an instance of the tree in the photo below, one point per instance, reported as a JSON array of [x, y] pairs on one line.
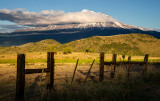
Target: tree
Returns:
[[67, 50]]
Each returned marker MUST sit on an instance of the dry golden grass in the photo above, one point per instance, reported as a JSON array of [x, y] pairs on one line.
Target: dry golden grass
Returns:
[[63, 74], [34, 82]]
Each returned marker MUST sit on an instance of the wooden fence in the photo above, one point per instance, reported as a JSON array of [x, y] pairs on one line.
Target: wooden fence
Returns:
[[114, 63], [21, 71]]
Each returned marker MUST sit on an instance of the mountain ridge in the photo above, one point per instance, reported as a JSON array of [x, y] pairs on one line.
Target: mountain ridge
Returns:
[[66, 35]]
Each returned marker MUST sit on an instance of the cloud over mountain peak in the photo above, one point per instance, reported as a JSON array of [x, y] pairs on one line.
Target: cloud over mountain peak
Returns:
[[24, 17]]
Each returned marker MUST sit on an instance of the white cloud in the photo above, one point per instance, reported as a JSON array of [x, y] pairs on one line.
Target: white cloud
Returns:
[[51, 12], [10, 28], [24, 17]]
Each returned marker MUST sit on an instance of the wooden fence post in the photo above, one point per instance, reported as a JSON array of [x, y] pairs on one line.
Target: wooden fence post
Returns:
[[146, 63], [113, 68], [50, 67], [88, 72], [20, 82], [128, 67], [74, 70], [101, 69]]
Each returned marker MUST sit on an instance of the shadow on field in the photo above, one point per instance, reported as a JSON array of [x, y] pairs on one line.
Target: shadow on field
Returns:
[[32, 90], [85, 74]]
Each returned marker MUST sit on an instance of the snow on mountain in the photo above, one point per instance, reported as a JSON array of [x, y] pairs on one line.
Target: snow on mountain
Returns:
[[50, 20], [91, 19], [115, 24]]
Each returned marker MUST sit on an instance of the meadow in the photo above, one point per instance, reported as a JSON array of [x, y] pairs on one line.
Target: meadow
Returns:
[[136, 88], [85, 58]]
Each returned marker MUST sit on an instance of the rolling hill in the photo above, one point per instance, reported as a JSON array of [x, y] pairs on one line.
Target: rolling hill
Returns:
[[130, 44], [136, 44]]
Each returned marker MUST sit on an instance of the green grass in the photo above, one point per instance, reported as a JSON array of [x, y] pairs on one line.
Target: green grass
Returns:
[[8, 60], [81, 61], [27, 60]]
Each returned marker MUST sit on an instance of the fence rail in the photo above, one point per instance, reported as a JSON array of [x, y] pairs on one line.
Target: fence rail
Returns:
[[131, 63], [32, 71], [124, 62]]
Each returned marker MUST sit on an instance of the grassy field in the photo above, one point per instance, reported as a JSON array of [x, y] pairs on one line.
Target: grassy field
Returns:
[[85, 58], [137, 88], [81, 61]]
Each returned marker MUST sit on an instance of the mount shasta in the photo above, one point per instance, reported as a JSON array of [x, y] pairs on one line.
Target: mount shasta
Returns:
[[64, 31]]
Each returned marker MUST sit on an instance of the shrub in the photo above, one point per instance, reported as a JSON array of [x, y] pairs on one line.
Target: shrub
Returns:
[[123, 56], [67, 50], [88, 50], [52, 49], [94, 50]]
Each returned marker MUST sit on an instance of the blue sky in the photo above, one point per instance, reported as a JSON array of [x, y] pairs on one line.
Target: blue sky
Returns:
[[142, 13]]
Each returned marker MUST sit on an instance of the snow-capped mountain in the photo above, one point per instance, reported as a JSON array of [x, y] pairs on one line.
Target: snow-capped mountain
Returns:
[[69, 27], [82, 20], [101, 25]]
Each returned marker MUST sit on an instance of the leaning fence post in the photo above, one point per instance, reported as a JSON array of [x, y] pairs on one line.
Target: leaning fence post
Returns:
[[128, 67], [88, 72], [20, 82], [74, 71], [50, 67], [146, 63], [113, 68], [101, 70]]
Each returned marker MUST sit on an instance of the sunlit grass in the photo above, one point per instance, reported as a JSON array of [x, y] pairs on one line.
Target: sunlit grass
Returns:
[[81, 61]]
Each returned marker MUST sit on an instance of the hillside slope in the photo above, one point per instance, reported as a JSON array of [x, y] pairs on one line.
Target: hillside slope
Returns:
[[40, 46], [129, 44]]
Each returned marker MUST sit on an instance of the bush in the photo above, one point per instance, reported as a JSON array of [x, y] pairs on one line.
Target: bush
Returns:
[[52, 49], [94, 51], [88, 50], [67, 50], [123, 56]]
